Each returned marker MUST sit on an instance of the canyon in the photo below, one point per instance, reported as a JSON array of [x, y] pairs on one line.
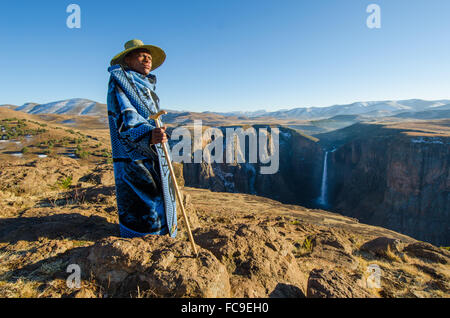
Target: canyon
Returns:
[[398, 180], [394, 175], [297, 180]]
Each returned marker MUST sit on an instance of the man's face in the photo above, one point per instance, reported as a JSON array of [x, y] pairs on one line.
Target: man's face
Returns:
[[139, 61]]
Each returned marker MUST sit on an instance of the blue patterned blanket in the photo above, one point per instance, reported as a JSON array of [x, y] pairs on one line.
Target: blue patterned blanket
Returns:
[[144, 187]]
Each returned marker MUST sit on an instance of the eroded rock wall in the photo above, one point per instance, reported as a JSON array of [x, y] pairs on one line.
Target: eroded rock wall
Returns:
[[297, 180], [402, 183]]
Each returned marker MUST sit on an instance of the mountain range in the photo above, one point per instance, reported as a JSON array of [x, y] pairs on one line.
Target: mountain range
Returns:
[[371, 108], [74, 106], [410, 108]]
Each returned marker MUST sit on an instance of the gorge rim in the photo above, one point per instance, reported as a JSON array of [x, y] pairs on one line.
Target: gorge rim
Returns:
[[380, 175]]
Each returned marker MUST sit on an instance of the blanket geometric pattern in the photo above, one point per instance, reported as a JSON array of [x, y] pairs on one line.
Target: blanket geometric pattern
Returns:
[[131, 100]]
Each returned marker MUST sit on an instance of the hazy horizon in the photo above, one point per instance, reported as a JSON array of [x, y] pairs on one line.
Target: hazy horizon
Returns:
[[256, 110]]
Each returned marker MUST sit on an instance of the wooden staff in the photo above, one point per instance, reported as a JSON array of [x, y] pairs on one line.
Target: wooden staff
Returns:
[[155, 117]]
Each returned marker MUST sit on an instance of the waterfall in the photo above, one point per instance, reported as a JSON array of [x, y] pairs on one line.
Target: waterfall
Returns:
[[323, 189]]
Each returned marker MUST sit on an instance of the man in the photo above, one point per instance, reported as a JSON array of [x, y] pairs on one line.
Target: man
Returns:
[[144, 192]]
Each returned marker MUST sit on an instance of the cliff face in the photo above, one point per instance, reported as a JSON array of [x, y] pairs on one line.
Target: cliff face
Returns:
[[297, 181], [381, 175], [400, 182]]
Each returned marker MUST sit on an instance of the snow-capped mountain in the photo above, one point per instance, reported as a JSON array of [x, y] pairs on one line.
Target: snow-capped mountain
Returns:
[[75, 106], [371, 108], [411, 108], [255, 113]]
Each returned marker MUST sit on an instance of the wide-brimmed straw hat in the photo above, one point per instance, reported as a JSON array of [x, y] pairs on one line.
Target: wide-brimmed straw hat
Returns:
[[158, 55]]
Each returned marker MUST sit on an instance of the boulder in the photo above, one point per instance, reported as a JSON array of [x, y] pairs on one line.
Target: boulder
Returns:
[[331, 284], [333, 247], [428, 252], [258, 259], [380, 245], [158, 266]]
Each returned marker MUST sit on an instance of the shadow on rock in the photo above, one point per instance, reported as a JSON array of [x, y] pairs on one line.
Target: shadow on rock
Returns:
[[93, 194], [286, 291], [70, 226], [47, 269]]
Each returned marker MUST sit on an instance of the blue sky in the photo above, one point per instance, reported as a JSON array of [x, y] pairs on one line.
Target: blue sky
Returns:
[[231, 55]]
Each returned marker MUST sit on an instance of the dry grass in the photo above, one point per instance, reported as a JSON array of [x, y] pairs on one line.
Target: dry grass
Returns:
[[22, 288], [405, 258], [304, 248], [390, 255], [426, 128], [52, 267]]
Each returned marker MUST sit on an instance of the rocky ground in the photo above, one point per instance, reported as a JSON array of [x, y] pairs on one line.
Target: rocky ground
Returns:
[[59, 211]]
